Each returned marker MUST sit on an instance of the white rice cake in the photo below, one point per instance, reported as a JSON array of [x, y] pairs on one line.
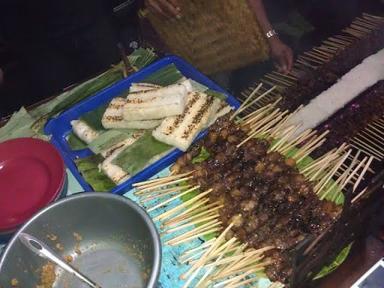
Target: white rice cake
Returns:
[[84, 131], [158, 103], [180, 131], [113, 117]]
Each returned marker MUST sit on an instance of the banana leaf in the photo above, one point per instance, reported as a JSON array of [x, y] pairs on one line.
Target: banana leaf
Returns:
[[109, 138], [93, 118], [136, 156], [78, 94], [203, 155], [141, 57], [138, 59], [18, 126], [336, 263], [216, 94], [75, 142], [88, 167], [165, 76]]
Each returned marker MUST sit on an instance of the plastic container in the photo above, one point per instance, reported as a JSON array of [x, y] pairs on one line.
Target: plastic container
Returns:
[[60, 127]]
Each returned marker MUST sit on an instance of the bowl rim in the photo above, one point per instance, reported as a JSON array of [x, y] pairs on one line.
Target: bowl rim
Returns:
[[156, 264]]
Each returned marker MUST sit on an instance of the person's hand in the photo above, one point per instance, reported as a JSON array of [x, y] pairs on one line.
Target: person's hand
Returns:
[[281, 54], [165, 8]]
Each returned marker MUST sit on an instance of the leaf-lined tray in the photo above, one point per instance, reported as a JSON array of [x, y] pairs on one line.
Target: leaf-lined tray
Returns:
[[60, 127]]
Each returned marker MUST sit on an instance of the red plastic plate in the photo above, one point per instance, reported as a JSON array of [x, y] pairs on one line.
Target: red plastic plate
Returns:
[[32, 174]]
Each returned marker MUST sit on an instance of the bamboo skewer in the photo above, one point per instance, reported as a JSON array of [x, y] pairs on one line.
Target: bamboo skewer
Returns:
[[234, 279], [366, 147], [362, 173], [378, 148], [194, 252], [173, 198], [333, 44], [311, 59], [369, 169], [341, 42], [229, 246], [276, 285], [354, 32], [312, 143], [245, 282], [253, 114], [376, 132], [241, 108], [264, 120], [324, 182], [157, 186], [358, 196], [199, 209], [372, 134], [232, 259], [286, 147], [325, 53], [283, 141], [258, 98], [232, 266], [243, 272], [209, 271], [192, 223], [309, 151], [366, 151], [275, 122], [328, 157], [198, 265], [213, 228], [292, 78], [279, 80], [247, 258], [255, 129], [204, 213], [182, 205], [365, 23], [341, 179], [353, 173], [317, 55], [257, 116], [161, 192], [360, 28], [305, 63], [144, 184]]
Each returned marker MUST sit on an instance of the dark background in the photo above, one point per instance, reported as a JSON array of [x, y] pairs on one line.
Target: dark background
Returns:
[[47, 45]]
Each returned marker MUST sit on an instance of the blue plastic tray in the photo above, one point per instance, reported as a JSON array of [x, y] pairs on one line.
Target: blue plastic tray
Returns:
[[60, 127]]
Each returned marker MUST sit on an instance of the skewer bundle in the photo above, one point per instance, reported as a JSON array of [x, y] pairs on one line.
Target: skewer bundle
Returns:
[[316, 70], [192, 212], [357, 122], [371, 140]]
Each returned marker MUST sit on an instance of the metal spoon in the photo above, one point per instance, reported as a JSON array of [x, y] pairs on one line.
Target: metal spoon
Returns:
[[45, 252]]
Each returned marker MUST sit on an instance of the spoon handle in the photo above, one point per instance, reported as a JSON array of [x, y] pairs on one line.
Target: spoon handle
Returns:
[[45, 252]]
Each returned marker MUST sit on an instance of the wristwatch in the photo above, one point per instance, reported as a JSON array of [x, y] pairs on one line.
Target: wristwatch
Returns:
[[271, 33]]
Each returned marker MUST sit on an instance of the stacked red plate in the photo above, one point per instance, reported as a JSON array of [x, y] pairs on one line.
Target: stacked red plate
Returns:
[[32, 175]]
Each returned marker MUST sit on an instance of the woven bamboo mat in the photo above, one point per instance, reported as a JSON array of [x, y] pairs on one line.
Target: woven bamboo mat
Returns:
[[215, 35]]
